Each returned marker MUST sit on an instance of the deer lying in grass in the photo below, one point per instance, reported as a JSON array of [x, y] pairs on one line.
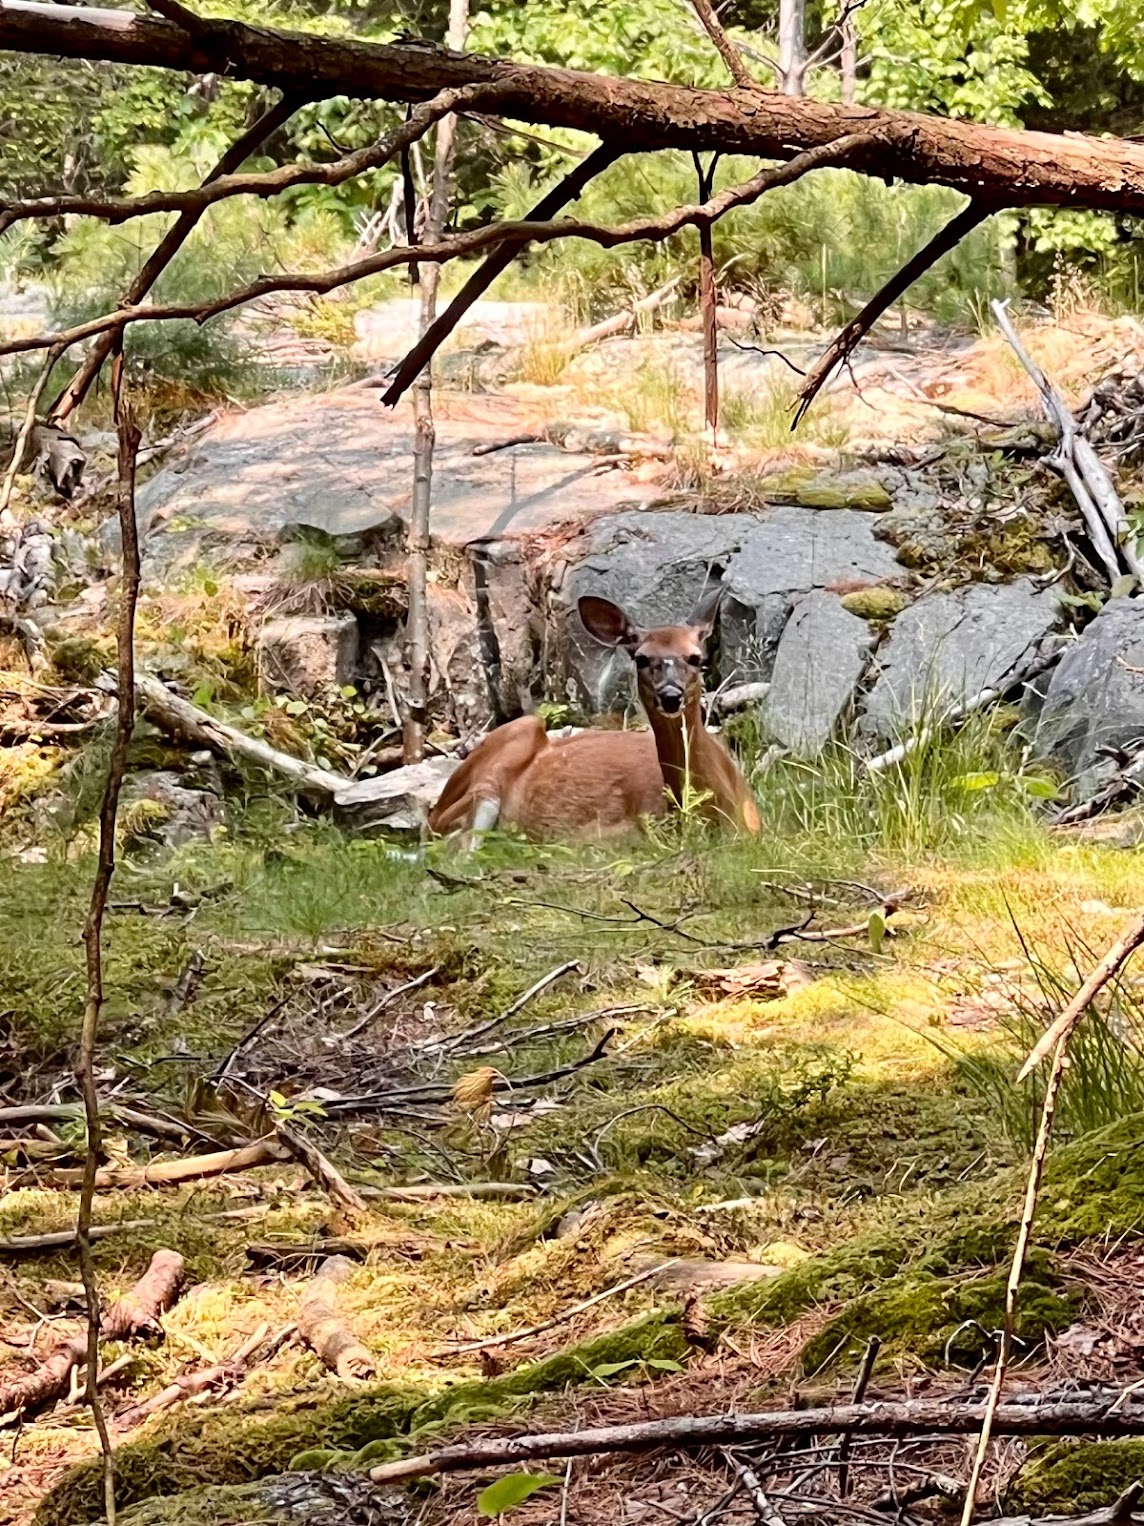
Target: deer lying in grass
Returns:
[[602, 783]]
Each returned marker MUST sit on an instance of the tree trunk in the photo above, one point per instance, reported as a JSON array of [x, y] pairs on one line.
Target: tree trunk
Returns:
[[792, 46], [848, 61], [1012, 168], [425, 435]]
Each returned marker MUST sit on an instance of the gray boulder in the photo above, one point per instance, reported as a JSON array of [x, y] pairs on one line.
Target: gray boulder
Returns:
[[304, 654], [398, 801], [821, 658], [1095, 697], [948, 646]]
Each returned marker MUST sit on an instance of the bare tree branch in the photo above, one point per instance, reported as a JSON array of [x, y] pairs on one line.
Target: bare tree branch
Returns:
[[27, 426], [166, 249], [849, 338], [223, 182], [459, 245], [566, 190], [726, 49]]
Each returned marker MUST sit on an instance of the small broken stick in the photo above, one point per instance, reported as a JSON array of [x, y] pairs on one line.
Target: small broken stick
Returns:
[[222, 1375], [324, 1332]]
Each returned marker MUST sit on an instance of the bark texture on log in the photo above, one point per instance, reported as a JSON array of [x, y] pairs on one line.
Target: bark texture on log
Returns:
[[138, 1312], [322, 1328], [1016, 168]]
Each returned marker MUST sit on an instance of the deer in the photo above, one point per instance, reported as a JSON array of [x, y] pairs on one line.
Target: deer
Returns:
[[607, 783]]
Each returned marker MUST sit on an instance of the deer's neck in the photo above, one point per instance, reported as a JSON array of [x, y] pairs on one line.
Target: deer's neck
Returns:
[[681, 742]]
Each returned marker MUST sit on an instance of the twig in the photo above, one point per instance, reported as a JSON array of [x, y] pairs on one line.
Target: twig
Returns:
[[222, 1374], [565, 190], [262, 1152], [469, 1034], [869, 1357], [907, 1418], [848, 339], [1059, 1035], [561, 1319], [764, 1509], [421, 1192], [726, 49], [387, 1000], [463, 245], [63, 1239], [129, 436]]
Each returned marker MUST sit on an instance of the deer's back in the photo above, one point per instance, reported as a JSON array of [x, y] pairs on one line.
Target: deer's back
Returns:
[[597, 783]]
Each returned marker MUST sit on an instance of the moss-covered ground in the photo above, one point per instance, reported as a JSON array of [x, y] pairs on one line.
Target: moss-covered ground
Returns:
[[846, 1137]]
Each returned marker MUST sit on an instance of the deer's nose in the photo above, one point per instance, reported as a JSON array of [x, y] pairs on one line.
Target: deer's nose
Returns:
[[670, 699]]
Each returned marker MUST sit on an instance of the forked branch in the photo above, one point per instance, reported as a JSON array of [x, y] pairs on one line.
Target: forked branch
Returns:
[[726, 49]]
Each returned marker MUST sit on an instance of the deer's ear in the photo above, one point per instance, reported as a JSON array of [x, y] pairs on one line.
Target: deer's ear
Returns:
[[707, 612], [608, 623]]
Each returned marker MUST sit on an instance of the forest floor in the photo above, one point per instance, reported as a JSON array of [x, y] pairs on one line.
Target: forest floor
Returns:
[[826, 1164]]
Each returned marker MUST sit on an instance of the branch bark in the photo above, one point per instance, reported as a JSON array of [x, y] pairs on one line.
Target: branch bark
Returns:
[[1018, 168], [324, 1331], [1107, 1416], [167, 1173], [566, 190], [725, 48], [461, 245]]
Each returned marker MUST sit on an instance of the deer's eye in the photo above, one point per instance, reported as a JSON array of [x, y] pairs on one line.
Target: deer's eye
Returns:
[[694, 660], [642, 661]]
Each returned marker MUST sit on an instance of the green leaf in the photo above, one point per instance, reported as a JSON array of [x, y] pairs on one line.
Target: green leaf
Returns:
[[876, 930], [662, 1364], [277, 1099], [296, 707], [610, 1369], [977, 781], [1039, 789], [210, 587], [513, 1489]]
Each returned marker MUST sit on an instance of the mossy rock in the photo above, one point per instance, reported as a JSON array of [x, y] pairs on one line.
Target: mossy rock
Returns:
[[875, 603], [938, 1320], [814, 489], [1071, 1477], [370, 591]]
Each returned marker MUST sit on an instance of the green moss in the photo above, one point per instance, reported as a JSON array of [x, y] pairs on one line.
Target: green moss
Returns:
[[942, 1319], [875, 603], [1070, 1477], [80, 659], [826, 490], [235, 1447], [1095, 1186]]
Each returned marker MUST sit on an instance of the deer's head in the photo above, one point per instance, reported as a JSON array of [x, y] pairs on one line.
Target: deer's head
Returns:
[[668, 659]]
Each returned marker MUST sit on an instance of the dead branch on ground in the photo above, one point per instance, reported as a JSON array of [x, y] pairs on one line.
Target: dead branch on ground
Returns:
[[324, 1331], [168, 1173], [320, 1168], [1081, 468], [214, 1379], [138, 1312], [1023, 1415]]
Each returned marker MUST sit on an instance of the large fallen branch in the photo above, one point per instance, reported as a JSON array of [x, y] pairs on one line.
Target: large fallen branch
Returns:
[[178, 716], [1110, 1415], [1020, 169], [138, 1312]]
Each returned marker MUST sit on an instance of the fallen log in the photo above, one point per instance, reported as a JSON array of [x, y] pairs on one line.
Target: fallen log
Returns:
[[166, 1173], [68, 1112], [180, 718], [1022, 1415], [321, 1327], [138, 1312]]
